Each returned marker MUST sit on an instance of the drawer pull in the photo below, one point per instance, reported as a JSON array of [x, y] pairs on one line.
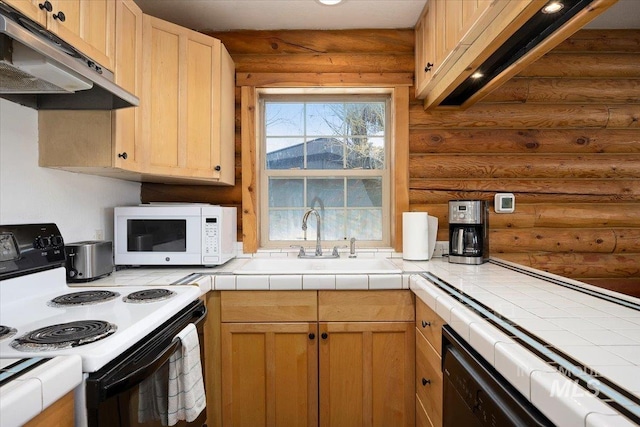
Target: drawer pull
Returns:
[[425, 323], [312, 336], [425, 381], [324, 335]]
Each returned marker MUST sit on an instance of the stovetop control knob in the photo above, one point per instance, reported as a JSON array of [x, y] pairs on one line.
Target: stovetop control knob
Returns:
[[42, 242], [56, 240]]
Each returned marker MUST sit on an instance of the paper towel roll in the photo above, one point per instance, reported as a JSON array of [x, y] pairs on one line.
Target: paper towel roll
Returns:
[[419, 232], [415, 227]]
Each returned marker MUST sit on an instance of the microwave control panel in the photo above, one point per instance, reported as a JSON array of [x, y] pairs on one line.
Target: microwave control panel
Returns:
[[211, 237]]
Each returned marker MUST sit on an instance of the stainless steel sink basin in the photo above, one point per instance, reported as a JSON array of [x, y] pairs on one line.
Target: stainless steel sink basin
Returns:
[[318, 266]]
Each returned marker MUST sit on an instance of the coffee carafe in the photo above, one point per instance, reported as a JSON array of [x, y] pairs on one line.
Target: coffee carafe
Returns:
[[468, 231]]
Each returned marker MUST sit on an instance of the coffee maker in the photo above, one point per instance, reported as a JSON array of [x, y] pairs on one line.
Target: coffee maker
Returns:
[[468, 231]]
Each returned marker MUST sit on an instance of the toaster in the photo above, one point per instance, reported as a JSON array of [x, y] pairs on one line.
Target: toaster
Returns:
[[88, 260]]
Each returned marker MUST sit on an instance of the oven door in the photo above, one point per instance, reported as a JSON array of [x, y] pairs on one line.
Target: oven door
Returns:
[[113, 394]]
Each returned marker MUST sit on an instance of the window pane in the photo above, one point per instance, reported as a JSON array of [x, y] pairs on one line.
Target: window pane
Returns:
[[284, 118], [286, 224], [364, 192], [325, 119], [325, 192], [285, 153], [325, 153], [365, 118], [363, 154], [365, 224], [286, 192], [333, 224]]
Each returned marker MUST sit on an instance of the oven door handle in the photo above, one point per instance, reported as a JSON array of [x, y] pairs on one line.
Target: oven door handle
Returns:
[[135, 377]]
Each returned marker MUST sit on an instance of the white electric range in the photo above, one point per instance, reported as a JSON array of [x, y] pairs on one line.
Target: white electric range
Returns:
[[124, 335]]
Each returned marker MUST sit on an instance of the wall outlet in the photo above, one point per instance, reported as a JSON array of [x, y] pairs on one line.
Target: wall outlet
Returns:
[[441, 249], [99, 234]]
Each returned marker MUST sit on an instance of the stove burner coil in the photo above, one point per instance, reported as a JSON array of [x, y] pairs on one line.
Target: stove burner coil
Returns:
[[148, 295], [83, 298], [6, 332], [64, 335]]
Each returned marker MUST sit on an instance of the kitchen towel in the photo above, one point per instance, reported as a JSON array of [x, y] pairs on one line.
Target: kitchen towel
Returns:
[[152, 397], [186, 387], [419, 232]]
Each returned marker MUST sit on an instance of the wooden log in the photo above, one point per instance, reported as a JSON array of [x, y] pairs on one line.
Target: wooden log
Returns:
[[421, 197], [323, 79], [585, 65], [565, 90], [316, 41], [509, 116], [608, 41], [551, 240], [624, 285], [627, 241], [624, 116], [593, 265], [325, 62], [523, 217], [587, 215], [226, 196], [599, 166], [596, 187], [503, 141]]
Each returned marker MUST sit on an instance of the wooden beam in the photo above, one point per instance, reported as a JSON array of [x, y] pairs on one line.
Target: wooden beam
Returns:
[[585, 65], [326, 62], [324, 79]]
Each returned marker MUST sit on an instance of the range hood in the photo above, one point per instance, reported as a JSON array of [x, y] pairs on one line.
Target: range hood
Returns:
[[41, 71]]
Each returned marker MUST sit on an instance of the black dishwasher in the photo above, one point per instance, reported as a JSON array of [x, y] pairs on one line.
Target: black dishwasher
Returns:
[[475, 394]]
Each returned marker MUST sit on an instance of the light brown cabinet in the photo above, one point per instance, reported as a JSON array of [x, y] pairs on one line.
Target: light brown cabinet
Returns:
[[443, 33], [429, 381], [60, 414], [188, 98], [184, 128], [307, 358], [87, 25], [107, 143]]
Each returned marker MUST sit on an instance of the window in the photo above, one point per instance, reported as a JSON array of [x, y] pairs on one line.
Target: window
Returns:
[[326, 153]]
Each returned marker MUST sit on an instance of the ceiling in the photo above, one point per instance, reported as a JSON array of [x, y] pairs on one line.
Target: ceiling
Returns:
[[223, 15]]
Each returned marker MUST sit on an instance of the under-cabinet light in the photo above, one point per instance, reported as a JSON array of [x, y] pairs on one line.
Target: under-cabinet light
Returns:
[[477, 75], [553, 7], [330, 2]]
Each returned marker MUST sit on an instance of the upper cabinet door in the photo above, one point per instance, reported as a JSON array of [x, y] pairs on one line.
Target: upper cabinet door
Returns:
[[188, 104], [87, 25], [127, 122]]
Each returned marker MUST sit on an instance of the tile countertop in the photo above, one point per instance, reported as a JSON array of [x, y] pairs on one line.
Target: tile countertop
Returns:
[[25, 396], [602, 336]]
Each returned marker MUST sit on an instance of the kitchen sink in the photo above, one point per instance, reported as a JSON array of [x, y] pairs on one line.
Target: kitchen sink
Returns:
[[318, 266]]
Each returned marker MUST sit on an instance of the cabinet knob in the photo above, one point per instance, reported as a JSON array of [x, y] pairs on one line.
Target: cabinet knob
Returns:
[[425, 381], [425, 323], [46, 6], [428, 67], [123, 155], [312, 336], [60, 16], [217, 168], [324, 335]]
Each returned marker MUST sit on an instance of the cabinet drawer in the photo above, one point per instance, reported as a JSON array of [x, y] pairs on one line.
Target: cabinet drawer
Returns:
[[366, 306], [269, 306], [429, 324], [429, 379]]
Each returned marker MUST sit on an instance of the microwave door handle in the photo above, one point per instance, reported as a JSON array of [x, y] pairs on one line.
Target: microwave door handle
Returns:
[[136, 377]]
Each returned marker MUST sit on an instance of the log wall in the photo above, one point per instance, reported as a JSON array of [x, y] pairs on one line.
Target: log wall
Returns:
[[563, 136]]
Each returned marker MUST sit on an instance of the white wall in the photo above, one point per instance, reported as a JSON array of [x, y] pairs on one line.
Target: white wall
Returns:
[[79, 204]]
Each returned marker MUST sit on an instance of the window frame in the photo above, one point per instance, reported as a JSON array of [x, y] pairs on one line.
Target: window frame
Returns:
[[325, 95]]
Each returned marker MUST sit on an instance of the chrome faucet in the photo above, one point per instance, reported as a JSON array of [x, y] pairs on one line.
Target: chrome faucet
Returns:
[[318, 222]]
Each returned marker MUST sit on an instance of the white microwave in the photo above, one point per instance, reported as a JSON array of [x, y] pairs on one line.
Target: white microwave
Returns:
[[174, 234]]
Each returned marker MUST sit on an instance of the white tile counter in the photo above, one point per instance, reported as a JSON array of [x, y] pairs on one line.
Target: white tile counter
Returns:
[[28, 394], [597, 333]]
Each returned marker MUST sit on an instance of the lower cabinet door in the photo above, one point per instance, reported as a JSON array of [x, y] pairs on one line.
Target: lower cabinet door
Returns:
[[367, 374], [269, 374]]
